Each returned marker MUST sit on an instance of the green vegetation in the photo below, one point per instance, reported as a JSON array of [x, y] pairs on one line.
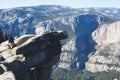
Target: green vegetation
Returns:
[[100, 75], [62, 74], [105, 51], [75, 74], [116, 65]]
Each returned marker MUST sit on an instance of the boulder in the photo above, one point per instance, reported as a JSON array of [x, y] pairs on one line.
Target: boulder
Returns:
[[32, 58]]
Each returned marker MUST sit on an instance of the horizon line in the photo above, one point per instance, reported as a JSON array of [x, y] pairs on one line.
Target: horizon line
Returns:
[[57, 5]]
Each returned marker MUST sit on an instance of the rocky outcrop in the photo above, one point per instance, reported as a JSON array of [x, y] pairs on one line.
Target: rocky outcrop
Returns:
[[32, 58]]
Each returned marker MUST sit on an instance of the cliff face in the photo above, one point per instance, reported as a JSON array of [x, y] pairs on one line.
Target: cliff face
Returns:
[[107, 56], [107, 33], [32, 58]]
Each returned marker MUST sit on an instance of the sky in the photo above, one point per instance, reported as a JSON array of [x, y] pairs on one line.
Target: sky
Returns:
[[71, 3]]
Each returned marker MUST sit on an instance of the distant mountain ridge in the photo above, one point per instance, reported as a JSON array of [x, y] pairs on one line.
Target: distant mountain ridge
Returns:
[[17, 19], [25, 19]]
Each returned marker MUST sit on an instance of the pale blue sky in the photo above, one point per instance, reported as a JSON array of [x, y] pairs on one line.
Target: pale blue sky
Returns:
[[70, 3]]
